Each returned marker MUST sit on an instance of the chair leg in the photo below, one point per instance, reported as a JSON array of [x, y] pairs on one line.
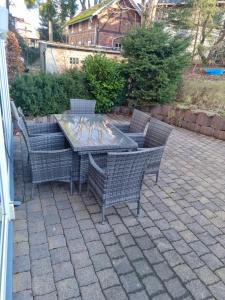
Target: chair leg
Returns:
[[138, 208], [32, 190], [157, 177], [103, 214], [71, 183]]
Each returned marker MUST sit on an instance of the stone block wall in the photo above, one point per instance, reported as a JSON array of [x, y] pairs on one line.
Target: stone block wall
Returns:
[[198, 121]]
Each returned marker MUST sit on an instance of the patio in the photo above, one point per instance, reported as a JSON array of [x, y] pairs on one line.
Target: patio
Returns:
[[174, 250]]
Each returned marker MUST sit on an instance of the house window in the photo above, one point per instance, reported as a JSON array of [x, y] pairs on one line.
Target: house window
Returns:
[[80, 26], [74, 60], [89, 43], [89, 24], [118, 45]]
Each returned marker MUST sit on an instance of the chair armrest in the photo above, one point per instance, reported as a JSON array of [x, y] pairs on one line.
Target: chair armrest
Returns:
[[42, 128], [139, 138], [122, 126], [96, 168], [46, 142], [55, 159]]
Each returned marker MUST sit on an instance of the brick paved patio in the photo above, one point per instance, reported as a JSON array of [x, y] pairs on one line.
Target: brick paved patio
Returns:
[[174, 250]]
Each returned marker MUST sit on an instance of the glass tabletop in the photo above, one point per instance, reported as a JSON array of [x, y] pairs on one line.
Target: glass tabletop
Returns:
[[93, 132]]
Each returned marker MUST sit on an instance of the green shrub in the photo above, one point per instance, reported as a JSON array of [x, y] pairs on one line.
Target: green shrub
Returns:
[[44, 94], [105, 81], [155, 62]]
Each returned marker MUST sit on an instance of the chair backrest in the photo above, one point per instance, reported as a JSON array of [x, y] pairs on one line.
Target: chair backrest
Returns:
[[138, 121], [14, 111], [82, 106], [157, 133], [125, 171], [23, 130]]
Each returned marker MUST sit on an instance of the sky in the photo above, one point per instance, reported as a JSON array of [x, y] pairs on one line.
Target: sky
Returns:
[[18, 9]]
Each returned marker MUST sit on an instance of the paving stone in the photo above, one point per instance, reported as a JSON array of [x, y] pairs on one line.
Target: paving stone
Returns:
[[163, 245], [115, 251], [218, 250], [199, 248], [59, 255], [126, 240], [95, 247], [63, 270], [24, 295], [115, 293], [51, 296], [144, 242], [21, 248], [77, 245], [22, 282], [152, 285], [198, 290], [142, 295], [67, 289], [108, 278], [163, 296], [218, 290], [38, 238], [193, 260], [21, 264], [154, 233], [86, 276], [119, 229], [56, 241], [133, 253], [142, 267], [55, 229], [122, 265], [41, 266], [185, 272], [39, 251], [42, 285], [101, 261], [86, 224], [221, 274], [206, 275], [130, 282], [20, 236], [90, 235], [92, 291], [212, 261], [172, 235], [175, 288], [181, 247], [108, 238], [153, 256], [163, 271], [80, 260]]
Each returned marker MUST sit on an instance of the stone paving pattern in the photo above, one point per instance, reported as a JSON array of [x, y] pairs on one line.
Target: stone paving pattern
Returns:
[[174, 250]]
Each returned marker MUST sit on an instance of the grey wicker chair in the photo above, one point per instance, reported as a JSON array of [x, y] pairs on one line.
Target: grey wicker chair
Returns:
[[157, 135], [82, 106], [136, 127], [50, 158], [118, 177], [38, 128]]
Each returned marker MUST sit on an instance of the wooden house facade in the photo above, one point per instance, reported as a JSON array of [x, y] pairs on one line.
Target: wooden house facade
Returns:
[[104, 24]]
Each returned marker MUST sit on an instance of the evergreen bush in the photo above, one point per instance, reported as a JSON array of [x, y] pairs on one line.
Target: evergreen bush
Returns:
[[155, 63]]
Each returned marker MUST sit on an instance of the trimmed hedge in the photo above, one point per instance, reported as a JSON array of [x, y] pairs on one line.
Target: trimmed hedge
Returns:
[[44, 94]]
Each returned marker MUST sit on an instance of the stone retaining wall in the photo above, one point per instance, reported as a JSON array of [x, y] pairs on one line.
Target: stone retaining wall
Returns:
[[198, 121]]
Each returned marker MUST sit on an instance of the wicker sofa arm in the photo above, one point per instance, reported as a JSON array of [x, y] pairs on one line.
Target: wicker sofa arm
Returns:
[[122, 126], [40, 128], [139, 138], [48, 142]]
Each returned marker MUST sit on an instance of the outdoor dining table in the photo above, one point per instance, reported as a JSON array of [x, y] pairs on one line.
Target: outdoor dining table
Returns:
[[91, 133]]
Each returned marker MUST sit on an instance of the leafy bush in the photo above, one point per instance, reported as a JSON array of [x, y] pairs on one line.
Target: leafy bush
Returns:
[[105, 81], [45, 94], [155, 62]]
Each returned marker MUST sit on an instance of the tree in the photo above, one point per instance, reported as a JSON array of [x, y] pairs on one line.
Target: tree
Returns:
[[13, 56], [155, 63]]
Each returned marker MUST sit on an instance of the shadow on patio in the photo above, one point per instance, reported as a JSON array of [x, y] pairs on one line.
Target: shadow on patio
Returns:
[[174, 250]]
